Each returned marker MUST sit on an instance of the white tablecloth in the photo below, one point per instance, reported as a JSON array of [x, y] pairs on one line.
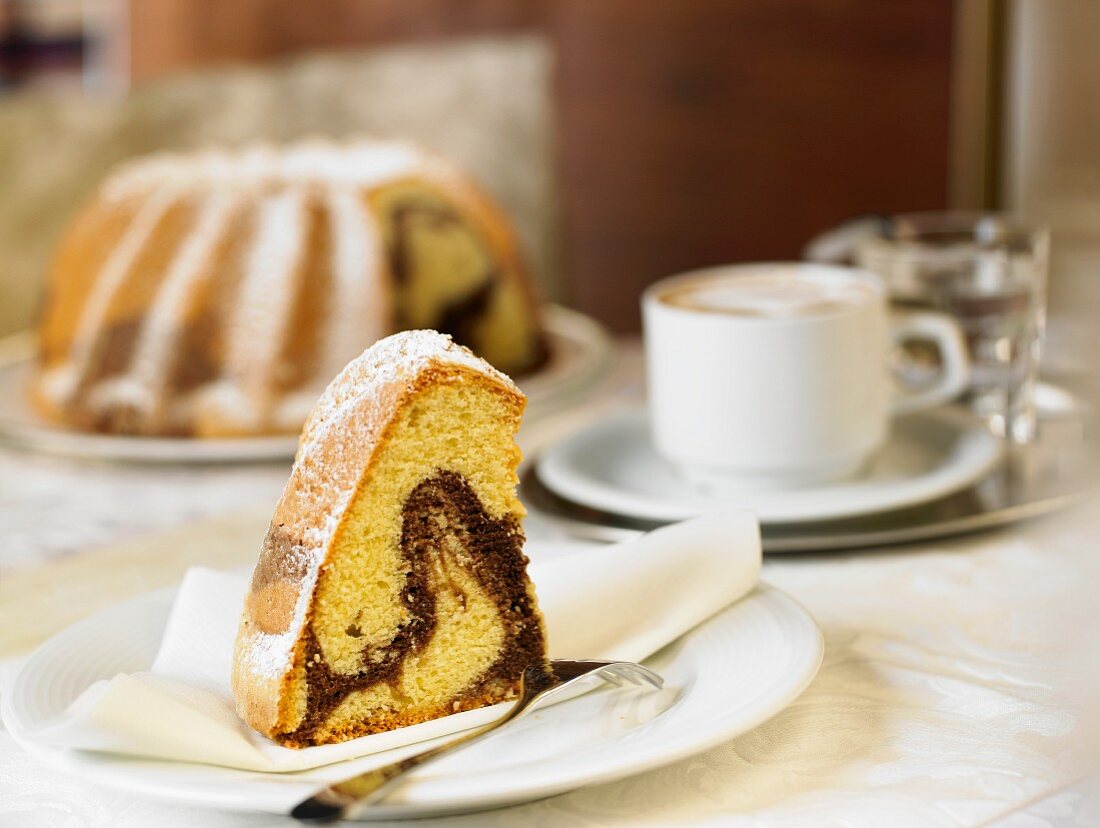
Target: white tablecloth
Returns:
[[945, 698]]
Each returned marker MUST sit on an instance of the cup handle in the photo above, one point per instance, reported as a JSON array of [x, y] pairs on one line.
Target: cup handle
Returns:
[[955, 376]]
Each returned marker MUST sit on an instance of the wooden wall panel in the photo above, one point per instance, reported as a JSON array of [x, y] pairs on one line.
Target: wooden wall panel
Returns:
[[732, 131], [172, 35]]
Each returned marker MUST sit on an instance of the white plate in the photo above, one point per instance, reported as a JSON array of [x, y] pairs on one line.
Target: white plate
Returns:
[[612, 466], [581, 352], [727, 676], [580, 348]]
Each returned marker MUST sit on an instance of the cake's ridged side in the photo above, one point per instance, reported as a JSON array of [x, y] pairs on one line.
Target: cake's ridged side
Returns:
[[311, 284], [97, 230], [199, 362], [146, 388], [110, 320], [123, 306], [259, 322], [361, 296], [326, 514], [341, 302]]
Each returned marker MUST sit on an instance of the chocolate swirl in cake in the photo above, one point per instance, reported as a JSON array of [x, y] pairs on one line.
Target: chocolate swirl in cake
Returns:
[[440, 505], [458, 317], [401, 217]]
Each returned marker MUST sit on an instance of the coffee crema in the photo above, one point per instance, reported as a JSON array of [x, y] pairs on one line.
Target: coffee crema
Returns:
[[772, 296]]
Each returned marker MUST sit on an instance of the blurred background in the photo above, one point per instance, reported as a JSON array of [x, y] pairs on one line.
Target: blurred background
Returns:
[[627, 140]]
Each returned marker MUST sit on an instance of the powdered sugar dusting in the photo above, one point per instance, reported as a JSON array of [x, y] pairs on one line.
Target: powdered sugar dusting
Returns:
[[268, 654], [148, 372], [358, 288], [261, 312], [397, 357], [362, 163]]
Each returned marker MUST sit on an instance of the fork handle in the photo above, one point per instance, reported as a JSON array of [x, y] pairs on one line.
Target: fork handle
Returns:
[[345, 799]]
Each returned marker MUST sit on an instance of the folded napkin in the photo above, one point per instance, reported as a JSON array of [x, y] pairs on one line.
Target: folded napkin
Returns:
[[624, 601]]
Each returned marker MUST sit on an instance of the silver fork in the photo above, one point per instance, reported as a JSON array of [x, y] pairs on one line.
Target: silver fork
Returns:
[[343, 800]]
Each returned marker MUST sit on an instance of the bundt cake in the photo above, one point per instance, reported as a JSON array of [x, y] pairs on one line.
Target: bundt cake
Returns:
[[216, 294], [391, 587]]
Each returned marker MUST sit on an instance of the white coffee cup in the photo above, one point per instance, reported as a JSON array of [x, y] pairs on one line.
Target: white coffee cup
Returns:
[[778, 375]]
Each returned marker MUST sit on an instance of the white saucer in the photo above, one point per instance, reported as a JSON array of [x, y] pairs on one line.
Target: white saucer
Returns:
[[612, 466], [580, 354], [724, 678]]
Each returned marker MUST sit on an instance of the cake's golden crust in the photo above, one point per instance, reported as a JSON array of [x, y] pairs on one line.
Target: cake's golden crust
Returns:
[[383, 723], [339, 446]]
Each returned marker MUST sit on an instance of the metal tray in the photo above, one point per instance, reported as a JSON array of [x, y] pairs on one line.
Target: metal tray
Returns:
[[1030, 481]]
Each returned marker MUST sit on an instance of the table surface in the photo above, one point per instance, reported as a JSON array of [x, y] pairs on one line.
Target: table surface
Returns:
[[945, 697]]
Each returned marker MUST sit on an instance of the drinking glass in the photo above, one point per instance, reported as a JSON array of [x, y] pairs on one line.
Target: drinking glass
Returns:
[[988, 271]]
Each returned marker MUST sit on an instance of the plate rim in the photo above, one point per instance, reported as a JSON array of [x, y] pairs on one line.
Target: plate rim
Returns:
[[546, 393], [64, 760], [554, 473]]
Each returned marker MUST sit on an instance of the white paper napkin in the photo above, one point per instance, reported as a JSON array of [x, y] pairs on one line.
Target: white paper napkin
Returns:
[[624, 601]]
